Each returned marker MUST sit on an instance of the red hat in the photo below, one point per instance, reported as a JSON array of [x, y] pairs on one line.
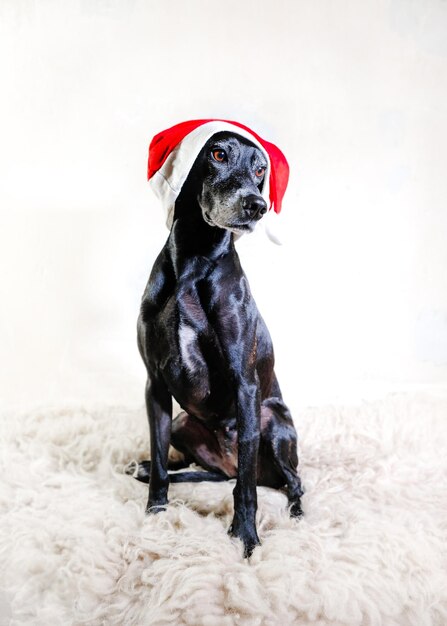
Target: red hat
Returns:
[[173, 151]]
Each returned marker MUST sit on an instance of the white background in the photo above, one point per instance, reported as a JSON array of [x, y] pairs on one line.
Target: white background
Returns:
[[353, 92]]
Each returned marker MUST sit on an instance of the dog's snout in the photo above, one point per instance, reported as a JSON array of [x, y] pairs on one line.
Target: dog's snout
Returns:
[[254, 206]]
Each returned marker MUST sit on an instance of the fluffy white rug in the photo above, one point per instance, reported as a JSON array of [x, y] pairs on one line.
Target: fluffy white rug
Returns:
[[76, 547]]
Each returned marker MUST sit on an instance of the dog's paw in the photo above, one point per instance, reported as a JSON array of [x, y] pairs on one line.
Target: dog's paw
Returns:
[[140, 471], [295, 509], [153, 508], [249, 538]]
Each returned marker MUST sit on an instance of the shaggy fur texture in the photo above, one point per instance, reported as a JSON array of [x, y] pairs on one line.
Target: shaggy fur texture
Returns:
[[76, 547]]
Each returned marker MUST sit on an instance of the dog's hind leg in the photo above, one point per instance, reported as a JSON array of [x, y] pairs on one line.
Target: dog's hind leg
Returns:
[[215, 451], [143, 474], [278, 452], [142, 470]]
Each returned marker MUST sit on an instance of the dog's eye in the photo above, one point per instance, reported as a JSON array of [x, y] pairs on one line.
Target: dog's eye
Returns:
[[260, 172], [219, 155]]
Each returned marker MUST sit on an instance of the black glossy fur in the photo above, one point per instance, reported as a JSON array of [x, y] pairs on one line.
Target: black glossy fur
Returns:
[[204, 343]]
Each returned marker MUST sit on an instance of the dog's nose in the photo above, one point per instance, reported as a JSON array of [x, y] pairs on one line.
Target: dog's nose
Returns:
[[254, 206]]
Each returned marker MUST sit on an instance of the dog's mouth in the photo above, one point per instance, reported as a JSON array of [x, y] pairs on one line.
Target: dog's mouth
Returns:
[[241, 228], [246, 227], [208, 219]]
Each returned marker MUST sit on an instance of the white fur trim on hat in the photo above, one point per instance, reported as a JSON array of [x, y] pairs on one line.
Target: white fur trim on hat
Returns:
[[167, 182]]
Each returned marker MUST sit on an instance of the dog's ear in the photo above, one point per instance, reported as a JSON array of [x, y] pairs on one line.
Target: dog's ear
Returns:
[[187, 199]]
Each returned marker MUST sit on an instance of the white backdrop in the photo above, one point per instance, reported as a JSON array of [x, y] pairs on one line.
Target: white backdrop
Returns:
[[353, 92]]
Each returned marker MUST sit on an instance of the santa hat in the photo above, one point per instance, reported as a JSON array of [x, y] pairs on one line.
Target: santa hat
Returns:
[[173, 151]]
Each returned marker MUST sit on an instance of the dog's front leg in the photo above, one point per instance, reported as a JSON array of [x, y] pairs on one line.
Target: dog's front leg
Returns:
[[159, 411], [245, 498]]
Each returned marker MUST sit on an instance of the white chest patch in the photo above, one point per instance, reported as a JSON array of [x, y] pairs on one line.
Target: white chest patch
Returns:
[[187, 337]]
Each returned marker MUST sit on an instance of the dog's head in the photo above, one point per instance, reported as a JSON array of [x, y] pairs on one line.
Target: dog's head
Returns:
[[228, 176]]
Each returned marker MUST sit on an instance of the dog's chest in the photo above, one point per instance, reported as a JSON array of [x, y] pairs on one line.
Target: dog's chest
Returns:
[[188, 346], [198, 372], [198, 349]]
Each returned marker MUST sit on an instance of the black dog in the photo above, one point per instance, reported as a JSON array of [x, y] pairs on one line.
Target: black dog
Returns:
[[204, 342]]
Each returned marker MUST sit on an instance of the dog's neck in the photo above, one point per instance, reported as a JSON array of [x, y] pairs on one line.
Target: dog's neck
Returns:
[[191, 237]]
